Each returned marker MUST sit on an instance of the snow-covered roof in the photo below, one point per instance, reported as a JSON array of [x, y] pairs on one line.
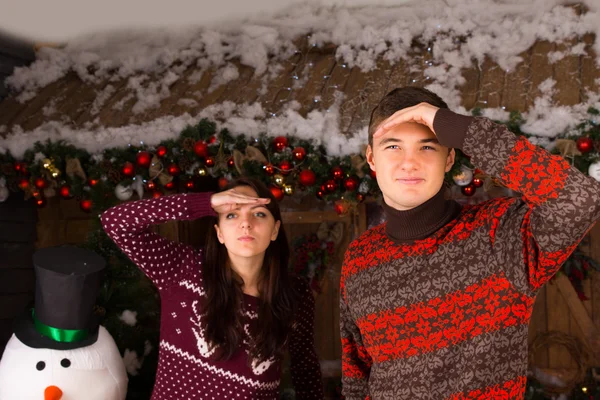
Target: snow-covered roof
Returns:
[[312, 71]]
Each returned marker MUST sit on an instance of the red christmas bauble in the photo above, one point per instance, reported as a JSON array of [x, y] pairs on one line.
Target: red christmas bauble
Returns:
[[341, 207], [174, 169], [143, 159], [277, 192], [320, 194], [150, 185], [285, 167], [40, 183], [41, 202], [128, 169], [212, 139], [65, 191], [161, 151], [307, 177], [351, 184], [24, 183], [222, 183], [477, 182], [170, 185], [209, 162], [360, 197], [230, 162], [373, 174], [86, 205], [280, 143], [585, 144], [189, 185], [299, 153], [269, 170], [156, 194], [337, 173], [92, 182], [19, 166], [468, 190], [330, 186], [201, 148]]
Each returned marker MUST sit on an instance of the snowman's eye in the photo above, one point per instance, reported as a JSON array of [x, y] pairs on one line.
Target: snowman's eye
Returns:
[[65, 362], [40, 365]]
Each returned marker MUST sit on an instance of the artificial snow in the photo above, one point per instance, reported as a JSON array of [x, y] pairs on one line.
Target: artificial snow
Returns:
[[129, 317]]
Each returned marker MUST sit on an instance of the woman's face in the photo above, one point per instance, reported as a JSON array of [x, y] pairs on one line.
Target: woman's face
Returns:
[[248, 230]]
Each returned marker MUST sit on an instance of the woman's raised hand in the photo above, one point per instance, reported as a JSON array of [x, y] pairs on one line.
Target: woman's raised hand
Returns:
[[231, 199]]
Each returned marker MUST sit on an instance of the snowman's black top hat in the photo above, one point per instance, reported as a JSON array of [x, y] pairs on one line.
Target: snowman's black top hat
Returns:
[[67, 283]]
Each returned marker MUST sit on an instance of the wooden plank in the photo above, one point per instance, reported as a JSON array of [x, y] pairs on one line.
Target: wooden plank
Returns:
[[76, 230], [375, 84], [195, 91], [336, 83], [50, 233], [352, 98], [312, 217], [398, 76], [541, 69], [539, 324], [590, 72], [88, 114], [566, 74], [9, 109], [248, 91], [591, 334], [516, 85], [14, 304], [309, 95], [491, 84], [107, 114], [231, 89], [595, 282], [20, 280], [558, 319]]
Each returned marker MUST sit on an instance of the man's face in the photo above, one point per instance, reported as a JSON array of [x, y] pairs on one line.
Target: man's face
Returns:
[[410, 164]]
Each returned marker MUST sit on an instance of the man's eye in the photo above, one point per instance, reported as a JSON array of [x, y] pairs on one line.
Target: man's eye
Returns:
[[393, 147]]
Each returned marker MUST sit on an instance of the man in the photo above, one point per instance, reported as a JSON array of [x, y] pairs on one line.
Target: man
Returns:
[[435, 303]]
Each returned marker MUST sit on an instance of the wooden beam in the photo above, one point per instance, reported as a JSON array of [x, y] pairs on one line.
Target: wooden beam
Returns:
[[578, 311], [313, 217]]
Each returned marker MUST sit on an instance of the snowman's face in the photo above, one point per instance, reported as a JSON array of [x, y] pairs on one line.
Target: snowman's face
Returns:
[[94, 372]]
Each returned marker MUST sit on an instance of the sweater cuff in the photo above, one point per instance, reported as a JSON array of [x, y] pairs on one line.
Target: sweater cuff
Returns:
[[451, 128], [199, 205]]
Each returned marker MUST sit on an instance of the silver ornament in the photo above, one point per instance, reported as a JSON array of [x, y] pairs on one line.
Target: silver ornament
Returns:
[[463, 177], [123, 192]]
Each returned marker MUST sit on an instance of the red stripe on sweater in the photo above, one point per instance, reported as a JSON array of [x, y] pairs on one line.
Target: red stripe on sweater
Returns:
[[375, 248], [513, 389], [487, 306]]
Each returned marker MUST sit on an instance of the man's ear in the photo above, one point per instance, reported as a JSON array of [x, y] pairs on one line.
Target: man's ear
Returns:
[[369, 156], [219, 234], [450, 159]]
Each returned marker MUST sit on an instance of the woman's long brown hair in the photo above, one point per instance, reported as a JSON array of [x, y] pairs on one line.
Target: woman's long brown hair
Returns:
[[224, 331]]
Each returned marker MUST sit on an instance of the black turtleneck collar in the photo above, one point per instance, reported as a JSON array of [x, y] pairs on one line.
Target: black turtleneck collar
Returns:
[[422, 221]]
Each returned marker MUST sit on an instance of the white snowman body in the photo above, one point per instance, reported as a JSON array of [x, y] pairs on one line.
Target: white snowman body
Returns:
[[94, 372]]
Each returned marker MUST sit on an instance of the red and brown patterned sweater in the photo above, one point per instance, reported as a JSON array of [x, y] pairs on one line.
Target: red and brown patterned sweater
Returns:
[[446, 316], [185, 367]]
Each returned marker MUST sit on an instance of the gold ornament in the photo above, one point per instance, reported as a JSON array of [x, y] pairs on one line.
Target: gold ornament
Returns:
[[55, 172], [202, 171], [47, 163], [279, 180], [288, 189]]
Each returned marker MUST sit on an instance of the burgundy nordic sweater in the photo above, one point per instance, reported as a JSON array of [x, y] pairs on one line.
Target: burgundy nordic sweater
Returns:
[[185, 369], [435, 303]]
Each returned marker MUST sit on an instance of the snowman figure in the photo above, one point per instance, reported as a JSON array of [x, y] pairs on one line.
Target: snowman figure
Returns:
[[58, 350]]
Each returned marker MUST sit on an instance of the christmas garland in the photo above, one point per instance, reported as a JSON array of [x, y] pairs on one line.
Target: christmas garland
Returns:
[[203, 159]]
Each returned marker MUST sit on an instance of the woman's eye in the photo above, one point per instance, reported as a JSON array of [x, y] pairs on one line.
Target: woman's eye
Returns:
[[260, 214], [230, 216]]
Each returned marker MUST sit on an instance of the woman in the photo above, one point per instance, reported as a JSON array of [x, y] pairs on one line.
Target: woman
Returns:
[[229, 311]]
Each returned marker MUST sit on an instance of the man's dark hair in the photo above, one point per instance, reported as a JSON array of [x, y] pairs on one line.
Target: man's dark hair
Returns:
[[399, 99]]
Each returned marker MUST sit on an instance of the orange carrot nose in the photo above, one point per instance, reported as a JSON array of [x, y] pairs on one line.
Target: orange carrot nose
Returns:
[[52, 393]]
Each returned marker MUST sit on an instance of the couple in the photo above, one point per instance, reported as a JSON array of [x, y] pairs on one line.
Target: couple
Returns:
[[435, 303]]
